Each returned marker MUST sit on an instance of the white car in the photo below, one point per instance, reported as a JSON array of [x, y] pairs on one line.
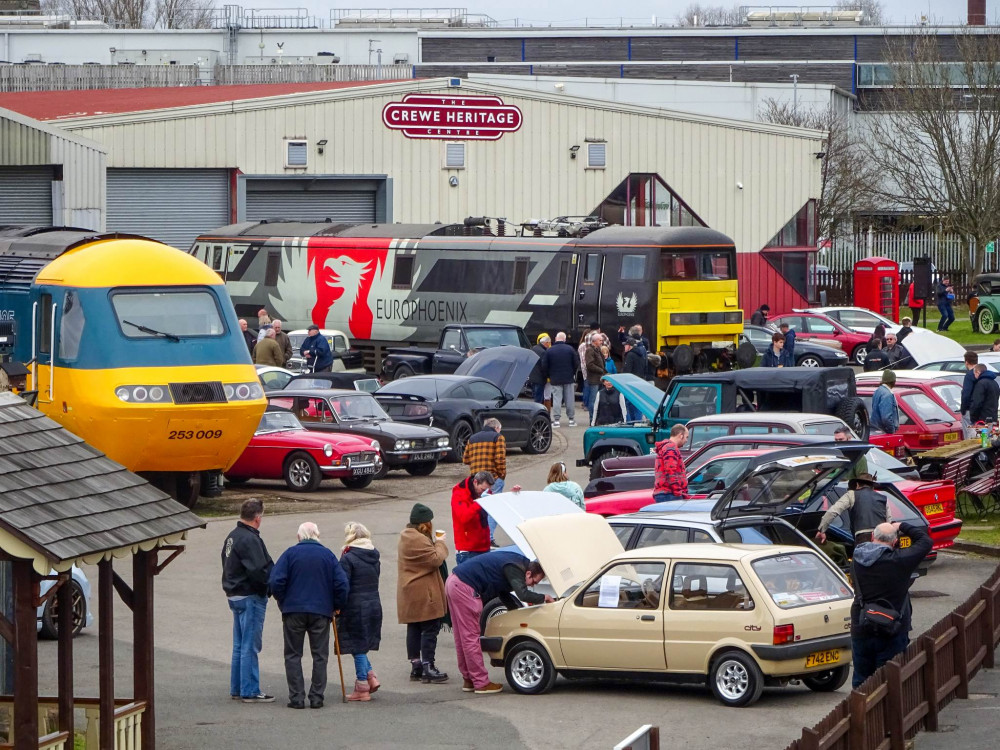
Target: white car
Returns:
[[48, 613], [957, 364], [345, 359], [273, 378]]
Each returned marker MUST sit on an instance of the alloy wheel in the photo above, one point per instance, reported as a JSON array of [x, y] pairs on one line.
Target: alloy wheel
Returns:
[[732, 679], [527, 669]]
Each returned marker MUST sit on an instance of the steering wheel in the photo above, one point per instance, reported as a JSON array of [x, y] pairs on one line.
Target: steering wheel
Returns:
[[651, 593]]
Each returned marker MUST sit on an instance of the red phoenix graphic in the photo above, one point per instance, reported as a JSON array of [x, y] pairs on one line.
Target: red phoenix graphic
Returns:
[[344, 275], [464, 118]]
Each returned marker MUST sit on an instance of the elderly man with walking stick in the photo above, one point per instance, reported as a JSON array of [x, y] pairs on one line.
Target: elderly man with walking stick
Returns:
[[309, 586]]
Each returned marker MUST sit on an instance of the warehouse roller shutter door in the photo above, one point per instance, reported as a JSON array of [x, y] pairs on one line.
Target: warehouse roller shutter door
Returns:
[[311, 205], [170, 205], [26, 195]]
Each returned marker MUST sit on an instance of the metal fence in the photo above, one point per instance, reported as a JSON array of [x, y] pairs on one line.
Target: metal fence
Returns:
[[907, 694], [232, 74], [17, 78], [946, 250]]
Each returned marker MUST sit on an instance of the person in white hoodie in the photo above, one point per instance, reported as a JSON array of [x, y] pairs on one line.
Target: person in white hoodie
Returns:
[[560, 482]]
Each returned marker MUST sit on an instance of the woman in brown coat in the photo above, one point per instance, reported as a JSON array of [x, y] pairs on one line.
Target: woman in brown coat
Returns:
[[420, 599]]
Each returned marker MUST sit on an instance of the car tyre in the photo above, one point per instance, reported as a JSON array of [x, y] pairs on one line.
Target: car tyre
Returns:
[[50, 613], [595, 465], [493, 608], [810, 360], [460, 435], [421, 468], [985, 320], [853, 411], [301, 473], [539, 436], [735, 679], [683, 356], [529, 669], [403, 371], [859, 354], [357, 483], [828, 681]]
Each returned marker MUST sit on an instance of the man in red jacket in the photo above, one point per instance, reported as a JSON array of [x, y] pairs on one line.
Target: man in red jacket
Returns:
[[472, 534]]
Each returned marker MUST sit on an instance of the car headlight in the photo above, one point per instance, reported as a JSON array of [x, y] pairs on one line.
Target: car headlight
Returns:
[[243, 391], [402, 445], [375, 446], [328, 450], [442, 442], [143, 394]]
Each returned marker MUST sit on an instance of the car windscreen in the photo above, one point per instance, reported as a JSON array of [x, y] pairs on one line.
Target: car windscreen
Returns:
[[782, 485], [167, 313], [950, 393], [275, 421], [927, 409], [358, 407], [899, 510], [717, 475], [487, 338], [412, 387], [822, 428], [799, 579]]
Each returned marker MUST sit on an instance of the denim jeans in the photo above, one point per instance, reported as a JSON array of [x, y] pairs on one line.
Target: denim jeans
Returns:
[[632, 414], [947, 316], [871, 652], [496, 489], [461, 557], [362, 666], [588, 395], [538, 392], [248, 627], [665, 497]]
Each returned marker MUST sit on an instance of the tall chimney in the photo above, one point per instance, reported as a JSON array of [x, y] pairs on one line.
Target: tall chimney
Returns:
[[977, 12]]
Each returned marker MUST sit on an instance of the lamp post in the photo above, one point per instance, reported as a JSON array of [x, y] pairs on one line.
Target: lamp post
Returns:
[[795, 92]]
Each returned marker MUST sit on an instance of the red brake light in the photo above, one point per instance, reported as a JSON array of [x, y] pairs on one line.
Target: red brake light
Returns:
[[928, 439], [416, 410], [784, 634]]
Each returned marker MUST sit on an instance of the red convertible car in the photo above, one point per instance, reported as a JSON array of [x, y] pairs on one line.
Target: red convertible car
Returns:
[[815, 326], [282, 448]]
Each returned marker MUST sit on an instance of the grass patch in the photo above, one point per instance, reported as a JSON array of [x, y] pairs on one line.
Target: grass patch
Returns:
[[983, 529], [960, 330]]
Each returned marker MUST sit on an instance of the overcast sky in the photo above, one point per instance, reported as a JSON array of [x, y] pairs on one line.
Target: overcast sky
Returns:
[[636, 11]]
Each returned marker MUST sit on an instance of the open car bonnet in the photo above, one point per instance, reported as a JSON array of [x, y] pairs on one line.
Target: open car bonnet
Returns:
[[783, 479], [509, 509], [571, 547], [507, 367], [926, 346], [644, 396]]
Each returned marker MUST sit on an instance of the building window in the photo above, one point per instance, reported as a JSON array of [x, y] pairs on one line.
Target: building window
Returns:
[[402, 272], [520, 275], [454, 156], [800, 231], [597, 155], [633, 267], [798, 268], [273, 264], [296, 154], [645, 200]]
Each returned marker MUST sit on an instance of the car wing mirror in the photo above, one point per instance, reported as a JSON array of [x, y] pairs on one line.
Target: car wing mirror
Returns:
[[720, 486]]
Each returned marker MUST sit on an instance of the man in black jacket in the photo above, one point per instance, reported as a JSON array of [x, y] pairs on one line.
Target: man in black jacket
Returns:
[[537, 377], [560, 365], [246, 567], [881, 575], [634, 363], [985, 397]]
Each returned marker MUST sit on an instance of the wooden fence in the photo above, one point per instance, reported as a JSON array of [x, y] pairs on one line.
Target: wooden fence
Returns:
[[907, 694], [294, 73], [837, 287], [16, 78]]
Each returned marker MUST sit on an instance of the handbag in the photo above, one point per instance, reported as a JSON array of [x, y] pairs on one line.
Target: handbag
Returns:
[[879, 618]]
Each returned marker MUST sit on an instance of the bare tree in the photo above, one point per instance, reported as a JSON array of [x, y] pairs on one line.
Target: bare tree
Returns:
[[183, 14], [697, 14], [848, 178], [937, 140], [872, 12], [125, 14]]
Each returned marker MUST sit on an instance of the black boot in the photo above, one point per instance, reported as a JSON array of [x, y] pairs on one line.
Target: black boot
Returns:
[[416, 670], [431, 674]]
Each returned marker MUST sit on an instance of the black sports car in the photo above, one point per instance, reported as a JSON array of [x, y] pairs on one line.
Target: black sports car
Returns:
[[460, 403], [807, 353], [415, 448]]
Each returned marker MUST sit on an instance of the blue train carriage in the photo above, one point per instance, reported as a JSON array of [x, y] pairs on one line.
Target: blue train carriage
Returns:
[[134, 346]]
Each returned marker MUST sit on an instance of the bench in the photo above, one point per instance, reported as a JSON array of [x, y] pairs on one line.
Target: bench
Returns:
[[982, 491], [956, 471]]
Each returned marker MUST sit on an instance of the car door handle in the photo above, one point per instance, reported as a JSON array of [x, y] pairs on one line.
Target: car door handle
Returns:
[[648, 618]]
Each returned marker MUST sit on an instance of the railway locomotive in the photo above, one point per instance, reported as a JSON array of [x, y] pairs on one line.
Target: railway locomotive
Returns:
[[391, 283], [132, 345]]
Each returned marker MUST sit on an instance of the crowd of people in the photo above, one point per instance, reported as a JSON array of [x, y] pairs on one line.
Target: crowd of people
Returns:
[[272, 346]]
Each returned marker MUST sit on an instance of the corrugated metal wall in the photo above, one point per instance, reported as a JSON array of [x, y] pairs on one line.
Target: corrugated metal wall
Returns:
[[340, 205], [26, 195], [523, 175]]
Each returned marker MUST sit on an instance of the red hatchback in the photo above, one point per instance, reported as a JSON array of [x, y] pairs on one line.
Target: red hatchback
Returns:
[[282, 448], [923, 422], [824, 328]]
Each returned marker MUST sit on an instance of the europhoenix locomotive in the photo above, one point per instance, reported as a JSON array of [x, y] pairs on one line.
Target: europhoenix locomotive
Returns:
[[134, 346], [387, 283]]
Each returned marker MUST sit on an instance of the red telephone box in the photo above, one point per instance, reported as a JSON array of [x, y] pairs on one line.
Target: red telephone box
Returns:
[[876, 286]]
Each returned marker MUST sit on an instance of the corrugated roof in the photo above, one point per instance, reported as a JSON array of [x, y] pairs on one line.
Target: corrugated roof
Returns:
[[54, 105], [66, 500]]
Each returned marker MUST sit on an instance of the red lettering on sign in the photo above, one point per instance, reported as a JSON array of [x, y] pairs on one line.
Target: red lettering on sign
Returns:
[[474, 118]]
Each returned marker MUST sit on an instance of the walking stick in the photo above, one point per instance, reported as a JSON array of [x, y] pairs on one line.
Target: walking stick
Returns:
[[340, 664]]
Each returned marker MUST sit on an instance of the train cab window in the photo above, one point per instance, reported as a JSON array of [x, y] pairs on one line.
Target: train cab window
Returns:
[[563, 276], [71, 324], [402, 272], [217, 256], [591, 268], [520, 275], [273, 266], [167, 313], [705, 265], [45, 331], [633, 267]]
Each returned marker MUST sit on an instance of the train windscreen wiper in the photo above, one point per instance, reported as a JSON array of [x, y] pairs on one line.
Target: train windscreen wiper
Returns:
[[153, 332]]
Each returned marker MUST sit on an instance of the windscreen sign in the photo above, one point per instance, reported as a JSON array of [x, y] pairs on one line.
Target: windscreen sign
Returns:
[[470, 118]]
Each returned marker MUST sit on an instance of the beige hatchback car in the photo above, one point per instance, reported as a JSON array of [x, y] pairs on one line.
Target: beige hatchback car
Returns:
[[740, 616]]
